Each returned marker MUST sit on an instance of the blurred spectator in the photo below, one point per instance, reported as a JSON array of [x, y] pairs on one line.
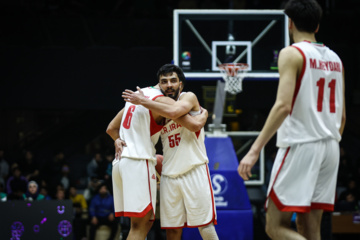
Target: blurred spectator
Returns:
[[78, 200], [4, 168], [16, 185], [3, 195], [65, 178], [52, 171], [80, 210], [91, 190], [101, 212], [109, 157], [96, 167], [29, 167], [351, 186], [349, 203], [33, 193], [345, 168], [60, 194], [45, 193]]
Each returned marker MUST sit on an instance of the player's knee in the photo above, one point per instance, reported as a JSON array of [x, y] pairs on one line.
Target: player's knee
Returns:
[[138, 225], [270, 227], [269, 230], [208, 232]]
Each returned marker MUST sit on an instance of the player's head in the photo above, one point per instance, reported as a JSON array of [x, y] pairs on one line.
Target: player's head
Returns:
[[171, 80], [306, 14]]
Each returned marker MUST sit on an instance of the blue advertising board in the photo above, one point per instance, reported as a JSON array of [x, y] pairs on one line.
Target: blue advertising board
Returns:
[[234, 214]]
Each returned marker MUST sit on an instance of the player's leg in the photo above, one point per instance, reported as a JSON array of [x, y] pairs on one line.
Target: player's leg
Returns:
[[139, 227], [198, 197], [308, 224], [208, 232], [173, 234], [278, 224], [172, 210]]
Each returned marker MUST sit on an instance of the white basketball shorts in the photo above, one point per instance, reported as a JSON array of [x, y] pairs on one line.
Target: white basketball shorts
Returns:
[[134, 187], [304, 176], [187, 200]]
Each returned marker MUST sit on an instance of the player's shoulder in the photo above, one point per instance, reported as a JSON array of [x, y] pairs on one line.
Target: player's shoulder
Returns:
[[290, 54], [290, 51], [152, 92], [188, 95]]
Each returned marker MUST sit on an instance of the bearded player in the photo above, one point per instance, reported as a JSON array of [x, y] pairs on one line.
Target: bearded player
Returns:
[[134, 175], [186, 196]]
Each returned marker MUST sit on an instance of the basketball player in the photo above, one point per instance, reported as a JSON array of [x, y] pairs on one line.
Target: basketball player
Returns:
[[309, 117], [134, 176], [186, 196]]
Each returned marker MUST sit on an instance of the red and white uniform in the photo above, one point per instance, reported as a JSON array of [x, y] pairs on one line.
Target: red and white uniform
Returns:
[[134, 176], [305, 169], [186, 196]]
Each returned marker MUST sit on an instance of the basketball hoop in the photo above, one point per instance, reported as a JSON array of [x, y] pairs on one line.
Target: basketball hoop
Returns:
[[233, 75]]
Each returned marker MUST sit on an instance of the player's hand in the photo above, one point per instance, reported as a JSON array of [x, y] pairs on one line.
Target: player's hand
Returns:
[[246, 164], [119, 145], [133, 97], [204, 112]]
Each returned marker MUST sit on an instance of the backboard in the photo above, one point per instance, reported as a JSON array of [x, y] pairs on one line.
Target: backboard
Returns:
[[203, 39]]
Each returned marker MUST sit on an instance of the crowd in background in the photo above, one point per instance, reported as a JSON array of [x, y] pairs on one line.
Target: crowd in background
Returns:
[[27, 179]]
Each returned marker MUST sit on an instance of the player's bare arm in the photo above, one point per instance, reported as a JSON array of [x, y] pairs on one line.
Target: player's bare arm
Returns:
[[290, 65], [194, 123], [113, 131], [343, 118], [172, 111]]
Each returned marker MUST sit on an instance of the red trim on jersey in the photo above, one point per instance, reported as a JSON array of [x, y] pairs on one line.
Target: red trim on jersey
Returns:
[[324, 206], [287, 208], [187, 226], [301, 209], [212, 195], [154, 127], [197, 133], [135, 214], [148, 172], [147, 209], [213, 219], [277, 174], [298, 81], [157, 97]]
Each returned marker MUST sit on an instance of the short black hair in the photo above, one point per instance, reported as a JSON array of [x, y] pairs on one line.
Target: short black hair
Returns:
[[170, 68], [306, 14]]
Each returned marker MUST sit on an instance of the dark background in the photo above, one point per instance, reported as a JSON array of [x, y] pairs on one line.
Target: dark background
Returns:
[[65, 63]]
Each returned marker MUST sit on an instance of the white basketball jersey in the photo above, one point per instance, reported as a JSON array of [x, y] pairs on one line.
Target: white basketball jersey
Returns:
[[318, 98], [139, 130], [182, 149]]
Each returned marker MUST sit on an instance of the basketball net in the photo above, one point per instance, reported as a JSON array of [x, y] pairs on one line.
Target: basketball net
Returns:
[[233, 75]]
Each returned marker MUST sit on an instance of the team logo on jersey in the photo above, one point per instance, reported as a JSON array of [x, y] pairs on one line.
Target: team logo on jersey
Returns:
[[153, 176]]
